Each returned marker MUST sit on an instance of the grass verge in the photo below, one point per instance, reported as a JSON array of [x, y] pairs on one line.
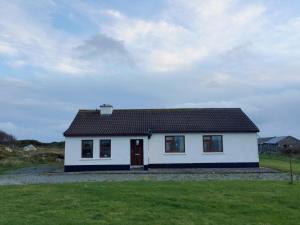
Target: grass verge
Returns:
[[280, 162]]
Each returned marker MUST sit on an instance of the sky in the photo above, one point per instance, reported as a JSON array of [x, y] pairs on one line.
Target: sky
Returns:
[[57, 57]]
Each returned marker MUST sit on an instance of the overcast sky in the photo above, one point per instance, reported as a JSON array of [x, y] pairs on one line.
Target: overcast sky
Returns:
[[59, 56]]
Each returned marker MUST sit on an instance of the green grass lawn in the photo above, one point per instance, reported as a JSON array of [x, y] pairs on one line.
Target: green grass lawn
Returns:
[[149, 202], [280, 162]]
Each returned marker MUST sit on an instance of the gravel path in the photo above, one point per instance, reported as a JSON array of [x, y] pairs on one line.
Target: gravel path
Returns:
[[37, 170], [159, 175]]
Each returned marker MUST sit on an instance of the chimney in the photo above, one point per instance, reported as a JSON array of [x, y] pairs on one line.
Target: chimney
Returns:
[[106, 109]]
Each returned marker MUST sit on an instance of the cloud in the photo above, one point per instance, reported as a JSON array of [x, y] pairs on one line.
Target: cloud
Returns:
[[186, 33], [281, 40], [181, 36], [7, 49], [58, 57], [30, 41], [25, 132], [43, 46], [267, 110], [15, 92], [103, 48], [8, 126], [157, 46], [114, 13]]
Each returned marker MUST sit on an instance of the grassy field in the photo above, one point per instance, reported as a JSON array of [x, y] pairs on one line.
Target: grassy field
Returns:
[[6, 166], [20, 159], [149, 202], [280, 162]]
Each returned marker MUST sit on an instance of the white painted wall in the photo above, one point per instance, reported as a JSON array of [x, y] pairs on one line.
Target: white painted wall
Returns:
[[120, 151], [237, 147]]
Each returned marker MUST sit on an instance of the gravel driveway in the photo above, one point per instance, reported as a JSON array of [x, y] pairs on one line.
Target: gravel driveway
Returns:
[[37, 170], [54, 175]]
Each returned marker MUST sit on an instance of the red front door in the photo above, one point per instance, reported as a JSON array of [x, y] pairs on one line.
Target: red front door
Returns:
[[136, 152]]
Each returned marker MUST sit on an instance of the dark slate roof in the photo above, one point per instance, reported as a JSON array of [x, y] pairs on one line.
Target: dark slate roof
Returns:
[[275, 140], [140, 121], [263, 140], [279, 140]]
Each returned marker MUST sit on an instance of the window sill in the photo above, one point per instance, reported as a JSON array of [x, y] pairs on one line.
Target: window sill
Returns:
[[212, 153], [175, 153], [92, 159]]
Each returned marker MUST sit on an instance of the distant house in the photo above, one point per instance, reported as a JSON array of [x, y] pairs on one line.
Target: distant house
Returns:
[[29, 148], [274, 144], [121, 139]]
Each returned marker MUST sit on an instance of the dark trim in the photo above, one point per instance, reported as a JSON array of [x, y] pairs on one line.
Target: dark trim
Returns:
[[206, 165], [77, 168]]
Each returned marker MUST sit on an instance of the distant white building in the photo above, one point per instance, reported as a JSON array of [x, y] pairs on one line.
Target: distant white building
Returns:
[[8, 149], [121, 139], [29, 148]]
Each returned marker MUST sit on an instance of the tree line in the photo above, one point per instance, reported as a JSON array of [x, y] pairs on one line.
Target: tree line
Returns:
[[6, 138], [9, 139]]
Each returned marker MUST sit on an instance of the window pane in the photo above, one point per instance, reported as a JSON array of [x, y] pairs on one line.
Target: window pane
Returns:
[[170, 144], [212, 143], [179, 143], [87, 149], [174, 144], [217, 143], [105, 148], [206, 138], [206, 146]]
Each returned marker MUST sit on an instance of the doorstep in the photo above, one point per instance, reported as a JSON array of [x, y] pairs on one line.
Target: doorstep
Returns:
[[137, 167]]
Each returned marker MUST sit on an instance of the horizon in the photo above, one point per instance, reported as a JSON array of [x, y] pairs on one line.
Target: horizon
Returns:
[[57, 57]]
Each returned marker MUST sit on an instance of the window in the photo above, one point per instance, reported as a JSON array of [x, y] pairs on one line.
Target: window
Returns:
[[174, 144], [87, 149], [105, 148], [212, 143]]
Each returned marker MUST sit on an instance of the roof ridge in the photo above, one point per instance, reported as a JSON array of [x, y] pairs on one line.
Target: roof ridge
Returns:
[[163, 109]]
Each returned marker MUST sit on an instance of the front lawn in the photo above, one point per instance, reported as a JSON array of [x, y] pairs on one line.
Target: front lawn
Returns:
[[149, 202], [280, 162]]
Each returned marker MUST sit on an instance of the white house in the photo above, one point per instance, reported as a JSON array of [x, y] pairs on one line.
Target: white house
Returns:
[[121, 139], [30, 147]]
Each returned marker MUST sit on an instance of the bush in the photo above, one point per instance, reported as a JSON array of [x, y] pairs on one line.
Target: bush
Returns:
[[290, 149], [46, 156], [23, 143], [3, 154], [10, 162]]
